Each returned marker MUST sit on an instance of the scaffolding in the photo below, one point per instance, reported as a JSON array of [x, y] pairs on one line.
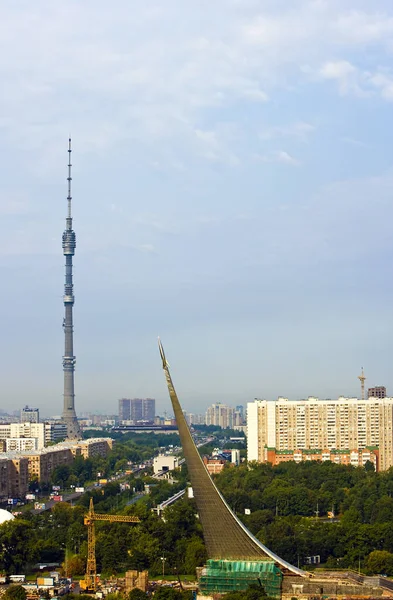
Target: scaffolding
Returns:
[[222, 576]]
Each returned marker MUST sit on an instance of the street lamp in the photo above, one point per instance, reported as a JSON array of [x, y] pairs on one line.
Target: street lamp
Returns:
[[163, 565]]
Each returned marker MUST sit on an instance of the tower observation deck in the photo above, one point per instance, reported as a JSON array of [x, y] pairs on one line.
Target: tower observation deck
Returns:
[[69, 244]]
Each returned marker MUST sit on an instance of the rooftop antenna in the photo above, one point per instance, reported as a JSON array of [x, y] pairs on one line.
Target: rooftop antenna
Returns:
[[362, 379]]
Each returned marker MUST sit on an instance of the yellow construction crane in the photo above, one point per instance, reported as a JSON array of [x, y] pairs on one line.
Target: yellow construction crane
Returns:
[[90, 580]]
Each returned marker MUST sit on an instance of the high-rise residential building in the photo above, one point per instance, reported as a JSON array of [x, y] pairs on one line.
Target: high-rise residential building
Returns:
[[29, 415], [346, 424], [124, 409], [148, 409], [193, 419], [136, 409], [377, 392], [221, 415], [240, 410]]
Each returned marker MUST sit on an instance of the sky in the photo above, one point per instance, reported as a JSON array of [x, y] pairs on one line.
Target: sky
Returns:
[[232, 193]]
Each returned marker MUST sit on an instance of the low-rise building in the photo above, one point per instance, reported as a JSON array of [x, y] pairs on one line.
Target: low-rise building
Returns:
[[21, 464], [55, 432], [43, 462], [356, 458], [214, 465], [164, 462], [93, 447]]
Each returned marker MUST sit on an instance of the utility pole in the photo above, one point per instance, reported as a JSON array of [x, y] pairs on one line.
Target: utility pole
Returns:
[[163, 565]]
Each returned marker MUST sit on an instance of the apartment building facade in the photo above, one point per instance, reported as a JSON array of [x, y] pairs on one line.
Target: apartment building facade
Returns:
[[137, 409], [18, 468], [29, 415], [124, 409], [322, 425], [378, 391], [220, 415], [14, 476], [43, 433], [93, 447]]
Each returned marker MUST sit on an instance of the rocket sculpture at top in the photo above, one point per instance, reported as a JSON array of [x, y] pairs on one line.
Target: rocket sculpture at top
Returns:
[[69, 243]]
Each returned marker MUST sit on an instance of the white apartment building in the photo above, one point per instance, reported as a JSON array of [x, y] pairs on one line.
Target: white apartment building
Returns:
[[221, 415], [24, 430], [44, 433], [21, 444], [342, 424]]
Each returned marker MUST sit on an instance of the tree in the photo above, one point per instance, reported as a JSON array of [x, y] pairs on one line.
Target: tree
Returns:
[[15, 592], [17, 545], [254, 592], [75, 565], [137, 594], [380, 561], [61, 474], [168, 593], [195, 555]]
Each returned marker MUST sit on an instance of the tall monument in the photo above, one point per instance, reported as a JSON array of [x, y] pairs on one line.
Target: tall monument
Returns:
[[226, 537], [69, 243]]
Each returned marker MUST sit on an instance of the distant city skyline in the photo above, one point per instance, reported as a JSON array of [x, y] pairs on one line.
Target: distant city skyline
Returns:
[[233, 176]]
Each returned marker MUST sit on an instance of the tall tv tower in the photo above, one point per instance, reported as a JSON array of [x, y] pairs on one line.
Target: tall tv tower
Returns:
[[69, 243]]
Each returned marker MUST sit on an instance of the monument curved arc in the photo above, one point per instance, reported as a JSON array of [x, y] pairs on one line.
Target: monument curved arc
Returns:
[[226, 537]]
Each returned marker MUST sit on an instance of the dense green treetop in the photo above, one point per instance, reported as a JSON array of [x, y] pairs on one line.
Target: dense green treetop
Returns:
[[289, 507], [15, 592]]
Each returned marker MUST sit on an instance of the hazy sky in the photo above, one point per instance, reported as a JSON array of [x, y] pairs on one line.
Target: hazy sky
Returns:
[[233, 193]]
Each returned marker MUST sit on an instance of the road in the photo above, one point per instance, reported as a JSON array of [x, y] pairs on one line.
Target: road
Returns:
[[75, 495]]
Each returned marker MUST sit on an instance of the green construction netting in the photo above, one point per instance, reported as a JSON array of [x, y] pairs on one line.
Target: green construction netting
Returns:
[[230, 575]]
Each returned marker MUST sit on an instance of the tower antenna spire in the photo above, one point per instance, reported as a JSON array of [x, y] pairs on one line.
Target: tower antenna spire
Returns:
[[69, 245], [69, 180]]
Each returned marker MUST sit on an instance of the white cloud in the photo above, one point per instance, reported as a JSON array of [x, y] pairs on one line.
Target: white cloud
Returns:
[[151, 73], [346, 75], [352, 79], [384, 83], [279, 156], [299, 130], [286, 158]]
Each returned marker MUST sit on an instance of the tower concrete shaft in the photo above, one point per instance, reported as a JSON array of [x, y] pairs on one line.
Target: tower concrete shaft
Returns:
[[69, 243]]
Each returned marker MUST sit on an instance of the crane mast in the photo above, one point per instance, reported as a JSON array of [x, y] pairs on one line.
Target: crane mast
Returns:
[[90, 581]]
